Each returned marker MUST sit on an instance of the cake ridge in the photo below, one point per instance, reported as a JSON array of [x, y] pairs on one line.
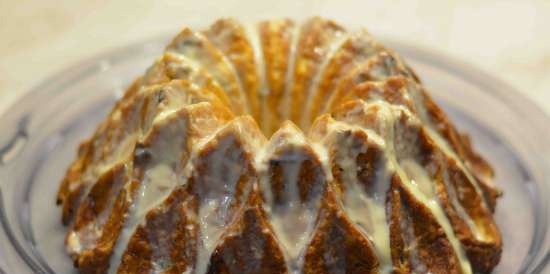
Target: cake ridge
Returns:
[[333, 49], [204, 153], [359, 205]]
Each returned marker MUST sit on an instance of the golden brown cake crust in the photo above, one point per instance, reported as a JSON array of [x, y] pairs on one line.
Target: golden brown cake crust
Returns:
[[335, 235], [279, 148], [276, 41]]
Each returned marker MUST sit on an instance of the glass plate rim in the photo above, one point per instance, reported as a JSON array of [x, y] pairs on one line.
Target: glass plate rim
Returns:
[[497, 89]]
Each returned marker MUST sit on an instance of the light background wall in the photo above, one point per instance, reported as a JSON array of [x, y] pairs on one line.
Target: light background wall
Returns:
[[510, 39]]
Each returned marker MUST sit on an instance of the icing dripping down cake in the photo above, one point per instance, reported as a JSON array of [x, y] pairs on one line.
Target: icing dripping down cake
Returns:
[[279, 147]]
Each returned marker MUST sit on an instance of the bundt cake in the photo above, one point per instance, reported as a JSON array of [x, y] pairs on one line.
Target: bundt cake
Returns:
[[279, 148]]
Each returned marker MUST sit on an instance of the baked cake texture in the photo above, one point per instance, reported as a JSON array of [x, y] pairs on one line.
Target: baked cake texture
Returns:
[[279, 147]]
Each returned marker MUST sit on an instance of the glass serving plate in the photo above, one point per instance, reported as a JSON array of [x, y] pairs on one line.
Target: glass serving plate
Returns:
[[40, 133]]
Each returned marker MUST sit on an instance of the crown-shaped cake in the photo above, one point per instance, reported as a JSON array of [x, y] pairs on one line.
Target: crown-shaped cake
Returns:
[[279, 148]]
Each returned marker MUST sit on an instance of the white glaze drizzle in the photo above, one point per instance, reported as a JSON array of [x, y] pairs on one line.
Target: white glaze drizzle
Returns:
[[375, 69], [333, 48], [293, 221], [444, 145], [120, 153], [289, 77], [130, 223], [322, 152], [216, 67], [446, 149], [389, 113], [221, 182], [414, 93], [453, 196], [86, 237], [365, 47], [159, 179], [369, 54], [432, 203], [425, 183], [418, 176], [366, 209], [407, 229], [182, 67], [252, 33], [214, 204], [121, 150]]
